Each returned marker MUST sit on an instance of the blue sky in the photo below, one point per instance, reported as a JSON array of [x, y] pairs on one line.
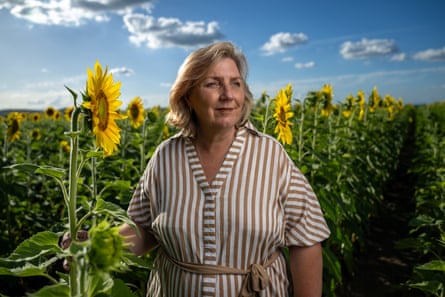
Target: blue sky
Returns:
[[396, 45]]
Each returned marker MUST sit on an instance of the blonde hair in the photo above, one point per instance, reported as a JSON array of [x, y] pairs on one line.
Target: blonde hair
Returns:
[[193, 69]]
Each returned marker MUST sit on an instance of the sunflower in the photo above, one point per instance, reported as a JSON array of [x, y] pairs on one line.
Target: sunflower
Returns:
[[374, 100], [13, 132], [361, 104], [102, 101], [326, 92], [283, 114], [389, 103], [348, 106], [35, 134], [399, 105], [65, 146], [135, 112], [35, 117], [50, 112], [68, 112]]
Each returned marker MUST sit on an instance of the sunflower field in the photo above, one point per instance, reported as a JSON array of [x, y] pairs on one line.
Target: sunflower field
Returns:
[[75, 169]]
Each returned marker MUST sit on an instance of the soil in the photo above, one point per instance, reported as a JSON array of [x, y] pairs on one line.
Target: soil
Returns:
[[382, 269]]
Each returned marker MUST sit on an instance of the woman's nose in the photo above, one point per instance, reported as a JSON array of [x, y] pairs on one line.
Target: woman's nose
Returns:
[[227, 91]]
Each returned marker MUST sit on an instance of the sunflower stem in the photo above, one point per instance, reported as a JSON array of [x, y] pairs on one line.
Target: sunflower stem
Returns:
[[5, 145], [300, 134], [314, 138], [142, 147], [72, 200], [266, 117]]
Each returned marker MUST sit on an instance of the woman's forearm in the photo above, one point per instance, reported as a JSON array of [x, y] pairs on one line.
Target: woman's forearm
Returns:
[[140, 243], [306, 265]]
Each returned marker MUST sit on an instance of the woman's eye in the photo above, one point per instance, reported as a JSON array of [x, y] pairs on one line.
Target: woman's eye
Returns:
[[212, 84]]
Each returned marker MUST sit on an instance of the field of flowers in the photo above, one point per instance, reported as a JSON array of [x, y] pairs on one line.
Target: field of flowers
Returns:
[[73, 169]]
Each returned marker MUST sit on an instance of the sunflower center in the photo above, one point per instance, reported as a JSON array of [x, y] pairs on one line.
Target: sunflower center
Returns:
[[283, 118], [102, 110], [134, 111], [50, 112], [14, 126]]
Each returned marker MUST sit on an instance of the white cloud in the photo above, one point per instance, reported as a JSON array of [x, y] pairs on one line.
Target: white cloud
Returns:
[[431, 55], [112, 5], [287, 59], [310, 64], [368, 48], [143, 28], [122, 71], [70, 12], [282, 41], [167, 32], [399, 57]]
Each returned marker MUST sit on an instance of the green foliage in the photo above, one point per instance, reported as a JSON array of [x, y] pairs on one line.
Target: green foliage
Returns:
[[347, 152], [428, 225]]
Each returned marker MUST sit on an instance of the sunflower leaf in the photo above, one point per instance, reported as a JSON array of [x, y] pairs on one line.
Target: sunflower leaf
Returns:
[[39, 244], [113, 210], [51, 171], [74, 94], [58, 290], [25, 167]]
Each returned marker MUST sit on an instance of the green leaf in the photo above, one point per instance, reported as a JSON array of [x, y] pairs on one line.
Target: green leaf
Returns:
[[39, 244], [94, 154], [42, 169], [25, 167], [113, 210], [435, 265], [99, 283], [427, 286], [55, 172], [29, 269], [121, 289], [139, 262], [58, 290], [74, 94]]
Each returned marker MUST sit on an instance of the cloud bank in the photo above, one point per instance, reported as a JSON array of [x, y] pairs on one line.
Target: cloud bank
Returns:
[[169, 32], [144, 29]]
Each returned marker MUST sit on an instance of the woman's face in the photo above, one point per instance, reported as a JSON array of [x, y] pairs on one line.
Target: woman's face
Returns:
[[218, 99]]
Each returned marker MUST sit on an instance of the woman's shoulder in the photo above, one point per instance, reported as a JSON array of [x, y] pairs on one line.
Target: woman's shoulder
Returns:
[[254, 132], [171, 142]]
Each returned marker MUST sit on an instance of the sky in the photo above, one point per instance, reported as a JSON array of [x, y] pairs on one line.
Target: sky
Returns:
[[396, 45]]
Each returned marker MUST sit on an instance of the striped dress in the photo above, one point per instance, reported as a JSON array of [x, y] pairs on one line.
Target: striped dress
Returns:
[[258, 202]]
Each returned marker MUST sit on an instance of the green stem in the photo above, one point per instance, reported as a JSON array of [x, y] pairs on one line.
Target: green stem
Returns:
[[142, 149], [5, 145], [72, 192], [314, 139], [266, 117], [300, 135]]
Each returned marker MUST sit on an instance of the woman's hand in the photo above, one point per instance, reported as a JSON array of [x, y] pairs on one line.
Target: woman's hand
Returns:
[[65, 243]]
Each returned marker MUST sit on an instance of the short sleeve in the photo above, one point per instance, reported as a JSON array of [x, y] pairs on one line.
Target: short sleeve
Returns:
[[305, 223], [139, 209]]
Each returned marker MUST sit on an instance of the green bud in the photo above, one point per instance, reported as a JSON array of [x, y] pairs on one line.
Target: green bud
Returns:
[[107, 247]]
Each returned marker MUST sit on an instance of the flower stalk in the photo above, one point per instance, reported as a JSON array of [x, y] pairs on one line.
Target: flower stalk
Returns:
[[72, 192]]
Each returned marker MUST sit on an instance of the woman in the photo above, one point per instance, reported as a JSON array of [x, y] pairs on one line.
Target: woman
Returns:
[[220, 199]]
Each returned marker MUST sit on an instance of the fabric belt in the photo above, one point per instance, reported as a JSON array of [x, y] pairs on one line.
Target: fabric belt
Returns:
[[256, 278]]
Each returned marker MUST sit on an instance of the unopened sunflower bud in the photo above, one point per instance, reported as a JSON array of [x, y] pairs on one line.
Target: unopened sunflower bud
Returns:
[[107, 247]]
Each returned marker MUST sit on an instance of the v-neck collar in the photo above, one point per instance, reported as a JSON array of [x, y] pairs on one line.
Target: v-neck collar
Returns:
[[224, 170]]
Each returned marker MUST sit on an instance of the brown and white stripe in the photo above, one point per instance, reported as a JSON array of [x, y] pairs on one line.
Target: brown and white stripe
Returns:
[[258, 202]]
